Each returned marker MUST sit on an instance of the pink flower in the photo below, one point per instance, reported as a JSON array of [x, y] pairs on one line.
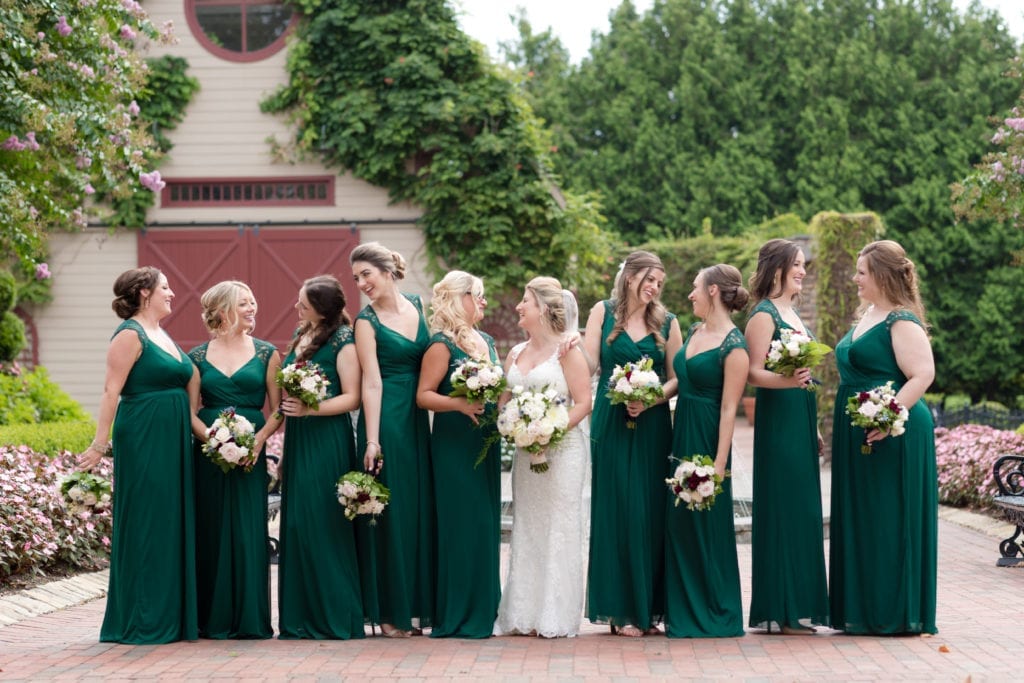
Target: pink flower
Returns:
[[41, 35], [30, 141], [127, 33], [13, 143], [1015, 124], [87, 71], [42, 271], [62, 26], [133, 108], [89, 189], [152, 181]]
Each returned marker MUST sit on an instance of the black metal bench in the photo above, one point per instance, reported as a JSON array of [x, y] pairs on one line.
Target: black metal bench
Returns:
[[1009, 476], [273, 509]]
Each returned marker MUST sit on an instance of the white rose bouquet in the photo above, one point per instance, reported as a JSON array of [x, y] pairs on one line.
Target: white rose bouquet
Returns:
[[480, 381], [305, 381], [361, 494], [230, 440], [696, 483], [533, 421], [794, 350], [85, 493], [636, 381], [877, 409]]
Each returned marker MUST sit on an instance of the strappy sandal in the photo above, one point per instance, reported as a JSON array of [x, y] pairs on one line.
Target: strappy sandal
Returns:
[[390, 631]]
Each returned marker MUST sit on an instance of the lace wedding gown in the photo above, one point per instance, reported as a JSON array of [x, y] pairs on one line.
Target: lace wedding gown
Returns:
[[544, 591]]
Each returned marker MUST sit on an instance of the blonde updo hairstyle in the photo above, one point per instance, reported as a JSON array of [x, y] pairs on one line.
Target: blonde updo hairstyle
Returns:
[[128, 290], [448, 315], [775, 257], [729, 281], [894, 275], [220, 305], [636, 267], [550, 299], [379, 256]]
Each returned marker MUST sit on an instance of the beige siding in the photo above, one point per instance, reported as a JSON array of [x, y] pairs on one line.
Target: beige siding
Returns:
[[75, 328]]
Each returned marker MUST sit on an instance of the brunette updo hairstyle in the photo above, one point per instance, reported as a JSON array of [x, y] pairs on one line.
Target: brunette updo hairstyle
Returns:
[[549, 294], [729, 281], [219, 303], [128, 290], [380, 256], [776, 256], [894, 275], [636, 266], [328, 299]]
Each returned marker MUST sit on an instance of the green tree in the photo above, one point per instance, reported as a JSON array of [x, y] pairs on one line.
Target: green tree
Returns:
[[68, 120]]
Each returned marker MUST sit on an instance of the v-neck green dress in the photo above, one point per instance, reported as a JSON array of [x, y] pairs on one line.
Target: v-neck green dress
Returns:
[[627, 519], [397, 555], [884, 540], [318, 574], [702, 575], [787, 550], [468, 514], [232, 558], [152, 591]]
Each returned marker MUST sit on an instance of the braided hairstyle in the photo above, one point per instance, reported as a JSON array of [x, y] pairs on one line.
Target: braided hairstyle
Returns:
[[895, 276], [328, 299]]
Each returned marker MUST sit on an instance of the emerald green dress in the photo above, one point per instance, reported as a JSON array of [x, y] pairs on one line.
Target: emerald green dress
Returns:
[[152, 591], [397, 555], [884, 535], [627, 520], [702, 575], [232, 558], [468, 514], [318, 574], [787, 540]]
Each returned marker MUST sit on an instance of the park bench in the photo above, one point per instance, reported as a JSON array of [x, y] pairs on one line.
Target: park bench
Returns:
[[1009, 475]]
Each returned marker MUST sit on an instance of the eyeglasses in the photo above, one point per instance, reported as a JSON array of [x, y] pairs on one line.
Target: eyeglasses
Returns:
[[478, 297]]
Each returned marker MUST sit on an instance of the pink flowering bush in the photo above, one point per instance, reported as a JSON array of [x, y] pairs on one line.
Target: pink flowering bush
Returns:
[[965, 455], [37, 529]]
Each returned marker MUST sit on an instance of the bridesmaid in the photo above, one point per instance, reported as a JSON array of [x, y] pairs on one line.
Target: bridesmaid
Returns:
[[151, 598], [468, 496], [787, 543], [702, 578], [625, 576], [232, 558], [318, 574], [884, 505], [397, 555]]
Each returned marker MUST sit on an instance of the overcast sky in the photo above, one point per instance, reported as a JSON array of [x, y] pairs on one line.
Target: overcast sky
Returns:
[[572, 22]]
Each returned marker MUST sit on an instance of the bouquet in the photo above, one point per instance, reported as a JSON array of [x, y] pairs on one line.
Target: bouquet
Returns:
[[361, 494], [635, 381], [696, 483], [793, 351], [877, 409], [533, 421], [86, 492], [480, 381], [305, 381], [230, 440]]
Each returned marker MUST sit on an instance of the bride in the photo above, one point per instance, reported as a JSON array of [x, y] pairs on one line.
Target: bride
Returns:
[[544, 592]]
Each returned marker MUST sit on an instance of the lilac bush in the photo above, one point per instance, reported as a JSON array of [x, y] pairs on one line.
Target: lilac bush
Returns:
[[37, 528], [964, 457]]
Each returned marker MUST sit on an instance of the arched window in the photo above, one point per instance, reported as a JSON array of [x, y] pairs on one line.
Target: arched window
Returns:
[[239, 30]]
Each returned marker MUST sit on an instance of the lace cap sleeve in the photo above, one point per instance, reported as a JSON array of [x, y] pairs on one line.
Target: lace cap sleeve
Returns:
[[416, 301], [765, 306], [442, 338], [136, 328], [734, 340], [198, 354], [342, 336], [666, 327], [901, 314], [264, 350], [369, 315]]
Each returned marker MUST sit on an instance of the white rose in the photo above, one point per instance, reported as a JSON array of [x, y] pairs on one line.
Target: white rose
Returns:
[[623, 387], [686, 469], [686, 495], [243, 426], [793, 348], [376, 507], [309, 384], [473, 383], [89, 499], [523, 439], [223, 434], [75, 493], [869, 409], [706, 489], [232, 453]]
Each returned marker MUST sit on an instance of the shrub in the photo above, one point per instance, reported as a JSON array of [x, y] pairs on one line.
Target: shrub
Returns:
[[36, 527], [33, 397], [964, 457], [8, 290], [49, 437], [12, 336], [957, 401]]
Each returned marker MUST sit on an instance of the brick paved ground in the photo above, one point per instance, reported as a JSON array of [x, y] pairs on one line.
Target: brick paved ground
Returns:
[[981, 639]]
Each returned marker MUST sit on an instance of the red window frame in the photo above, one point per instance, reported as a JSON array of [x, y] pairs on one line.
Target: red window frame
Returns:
[[232, 55], [180, 193]]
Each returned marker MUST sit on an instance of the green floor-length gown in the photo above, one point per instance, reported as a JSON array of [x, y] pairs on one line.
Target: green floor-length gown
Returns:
[[883, 548], [397, 555], [232, 558], [318, 573], [152, 591], [468, 515], [702, 575], [627, 518], [788, 581]]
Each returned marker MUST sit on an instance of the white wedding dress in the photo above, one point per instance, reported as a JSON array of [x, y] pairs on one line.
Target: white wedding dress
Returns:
[[544, 591]]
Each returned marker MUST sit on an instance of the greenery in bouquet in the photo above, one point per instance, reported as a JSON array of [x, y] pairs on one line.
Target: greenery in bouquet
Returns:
[[695, 483], [636, 381], [305, 381], [230, 441], [85, 492], [795, 350], [534, 421], [877, 409], [360, 493], [479, 381]]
